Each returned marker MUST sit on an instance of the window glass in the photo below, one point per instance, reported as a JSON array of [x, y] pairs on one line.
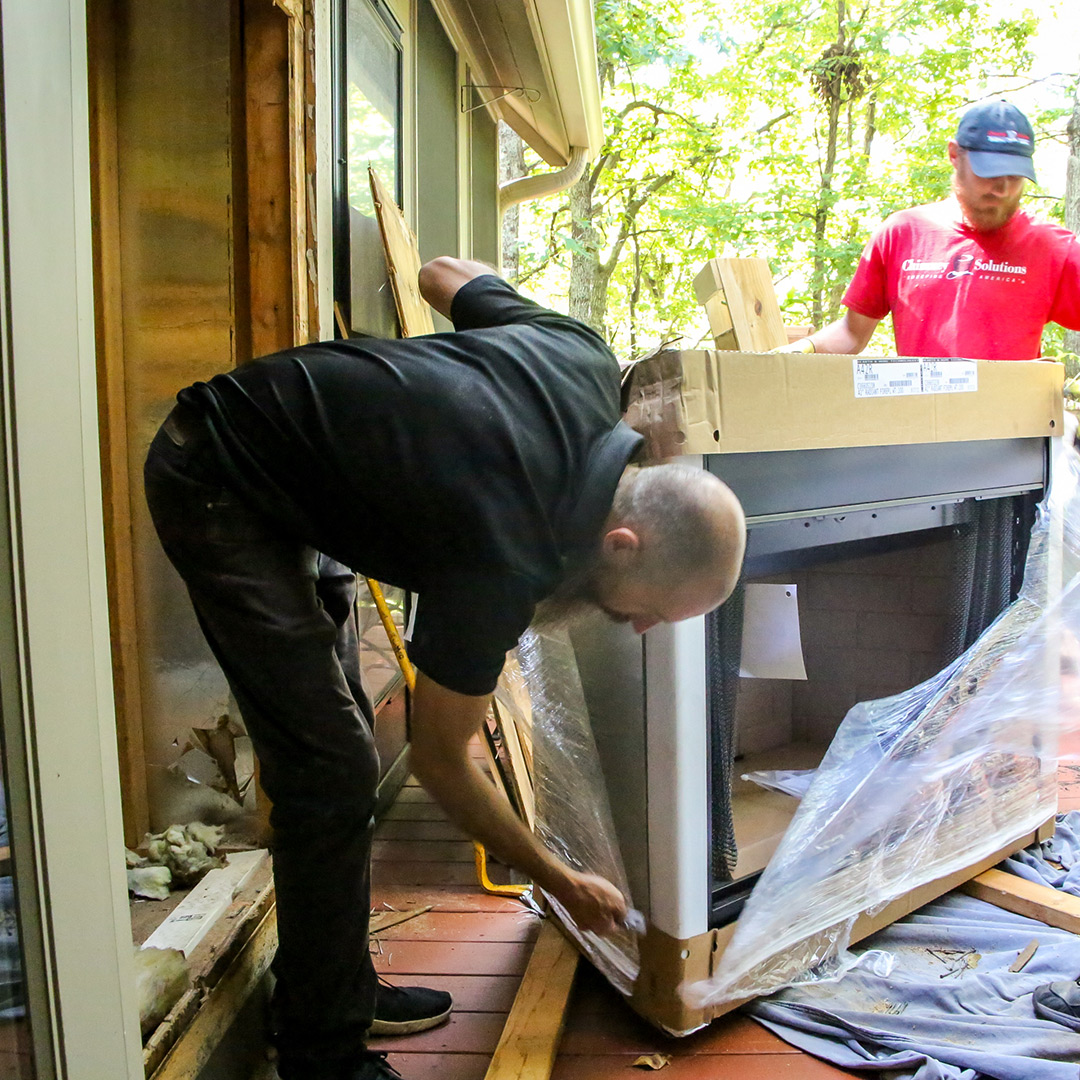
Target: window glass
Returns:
[[371, 137]]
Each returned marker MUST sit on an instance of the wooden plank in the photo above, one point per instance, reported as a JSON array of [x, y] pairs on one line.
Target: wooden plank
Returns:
[[195, 916], [1028, 898], [193, 1049], [113, 421], [518, 770], [270, 181], [402, 262], [311, 142], [530, 1040], [298, 174], [746, 286], [868, 924]]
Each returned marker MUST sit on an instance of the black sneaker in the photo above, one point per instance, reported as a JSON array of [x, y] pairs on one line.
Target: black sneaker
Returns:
[[404, 1010], [1060, 1002], [372, 1066]]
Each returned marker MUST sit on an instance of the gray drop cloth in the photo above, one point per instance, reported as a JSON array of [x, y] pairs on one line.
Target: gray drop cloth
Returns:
[[950, 1009]]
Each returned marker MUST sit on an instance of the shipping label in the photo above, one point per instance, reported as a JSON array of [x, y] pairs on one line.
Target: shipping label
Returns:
[[897, 378]]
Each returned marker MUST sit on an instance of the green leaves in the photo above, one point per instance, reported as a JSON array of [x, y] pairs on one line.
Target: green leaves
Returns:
[[785, 128]]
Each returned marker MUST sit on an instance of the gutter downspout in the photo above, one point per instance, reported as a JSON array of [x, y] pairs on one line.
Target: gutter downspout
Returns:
[[537, 187]]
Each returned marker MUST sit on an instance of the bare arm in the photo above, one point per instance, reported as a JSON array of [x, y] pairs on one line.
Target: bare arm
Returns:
[[849, 334], [442, 724], [441, 278]]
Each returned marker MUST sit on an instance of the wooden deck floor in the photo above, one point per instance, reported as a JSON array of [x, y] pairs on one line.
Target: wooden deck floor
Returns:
[[477, 946]]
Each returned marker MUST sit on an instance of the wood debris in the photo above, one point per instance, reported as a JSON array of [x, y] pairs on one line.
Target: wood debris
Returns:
[[652, 1061], [383, 920], [1028, 952]]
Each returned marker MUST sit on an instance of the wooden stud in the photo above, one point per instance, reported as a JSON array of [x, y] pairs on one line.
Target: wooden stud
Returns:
[[530, 1039], [113, 421], [311, 251], [1028, 898], [298, 186], [270, 180]]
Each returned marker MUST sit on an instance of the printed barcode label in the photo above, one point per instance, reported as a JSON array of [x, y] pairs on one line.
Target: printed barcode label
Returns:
[[896, 378]]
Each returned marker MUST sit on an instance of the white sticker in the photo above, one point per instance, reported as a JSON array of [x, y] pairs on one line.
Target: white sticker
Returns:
[[896, 378], [950, 376], [887, 378]]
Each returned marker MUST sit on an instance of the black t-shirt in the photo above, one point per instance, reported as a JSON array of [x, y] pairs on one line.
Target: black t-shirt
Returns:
[[472, 468]]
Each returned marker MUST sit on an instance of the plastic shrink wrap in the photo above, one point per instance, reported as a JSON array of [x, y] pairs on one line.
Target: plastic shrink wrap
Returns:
[[914, 787]]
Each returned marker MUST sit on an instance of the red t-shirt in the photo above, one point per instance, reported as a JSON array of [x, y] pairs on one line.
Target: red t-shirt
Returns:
[[954, 291]]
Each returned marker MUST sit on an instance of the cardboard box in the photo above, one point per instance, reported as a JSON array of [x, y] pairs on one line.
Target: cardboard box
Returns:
[[699, 402]]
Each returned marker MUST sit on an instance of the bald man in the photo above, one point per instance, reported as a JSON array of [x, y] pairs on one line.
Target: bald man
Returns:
[[488, 472]]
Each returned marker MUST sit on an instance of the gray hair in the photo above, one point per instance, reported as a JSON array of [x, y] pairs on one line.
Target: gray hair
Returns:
[[674, 509]]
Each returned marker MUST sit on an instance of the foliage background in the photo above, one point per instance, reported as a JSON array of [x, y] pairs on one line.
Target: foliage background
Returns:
[[786, 129]]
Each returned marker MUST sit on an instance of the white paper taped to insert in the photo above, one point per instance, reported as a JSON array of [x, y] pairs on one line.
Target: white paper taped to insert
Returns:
[[771, 642]]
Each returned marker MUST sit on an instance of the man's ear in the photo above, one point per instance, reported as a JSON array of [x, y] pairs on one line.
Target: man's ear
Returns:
[[621, 545], [954, 152]]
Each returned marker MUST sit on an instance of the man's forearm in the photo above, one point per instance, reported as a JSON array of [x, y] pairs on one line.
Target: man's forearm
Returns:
[[473, 804], [443, 722], [850, 334]]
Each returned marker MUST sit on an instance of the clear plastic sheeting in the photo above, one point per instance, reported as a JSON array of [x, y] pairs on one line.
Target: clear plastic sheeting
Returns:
[[923, 784], [573, 816]]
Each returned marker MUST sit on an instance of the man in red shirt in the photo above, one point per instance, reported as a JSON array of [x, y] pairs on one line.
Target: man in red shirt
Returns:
[[972, 276]]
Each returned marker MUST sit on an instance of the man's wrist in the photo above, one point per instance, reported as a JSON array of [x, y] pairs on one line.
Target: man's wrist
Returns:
[[802, 345]]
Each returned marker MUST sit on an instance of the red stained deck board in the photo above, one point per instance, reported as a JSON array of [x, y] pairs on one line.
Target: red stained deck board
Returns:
[[466, 1032], [414, 811], [442, 1066], [465, 926], [471, 993], [457, 851], [421, 873], [704, 1067], [599, 1021], [411, 793], [418, 830], [442, 898], [452, 958]]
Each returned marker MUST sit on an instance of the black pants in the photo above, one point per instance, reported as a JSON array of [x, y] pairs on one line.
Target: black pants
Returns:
[[280, 619]]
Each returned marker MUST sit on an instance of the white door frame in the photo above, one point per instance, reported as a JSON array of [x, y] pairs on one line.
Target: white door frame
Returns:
[[49, 388]]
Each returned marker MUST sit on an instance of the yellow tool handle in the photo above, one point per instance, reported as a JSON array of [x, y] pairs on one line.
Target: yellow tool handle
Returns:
[[392, 633], [410, 679]]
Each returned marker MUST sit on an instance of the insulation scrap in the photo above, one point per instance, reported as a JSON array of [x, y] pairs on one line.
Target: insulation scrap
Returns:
[[187, 851], [149, 882], [161, 979], [652, 1061]]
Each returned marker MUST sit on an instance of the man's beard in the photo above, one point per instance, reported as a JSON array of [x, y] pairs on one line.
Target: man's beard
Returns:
[[989, 216], [575, 597]]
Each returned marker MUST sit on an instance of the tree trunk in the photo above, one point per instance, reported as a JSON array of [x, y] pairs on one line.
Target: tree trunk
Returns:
[[824, 203], [511, 167], [821, 214], [1072, 198], [586, 290]]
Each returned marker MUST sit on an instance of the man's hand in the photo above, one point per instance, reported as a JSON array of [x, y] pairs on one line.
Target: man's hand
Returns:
[[591, 901], [440, 279], [443, 722]]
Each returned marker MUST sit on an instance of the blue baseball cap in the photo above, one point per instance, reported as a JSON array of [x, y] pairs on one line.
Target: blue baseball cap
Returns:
[[998, 139]]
